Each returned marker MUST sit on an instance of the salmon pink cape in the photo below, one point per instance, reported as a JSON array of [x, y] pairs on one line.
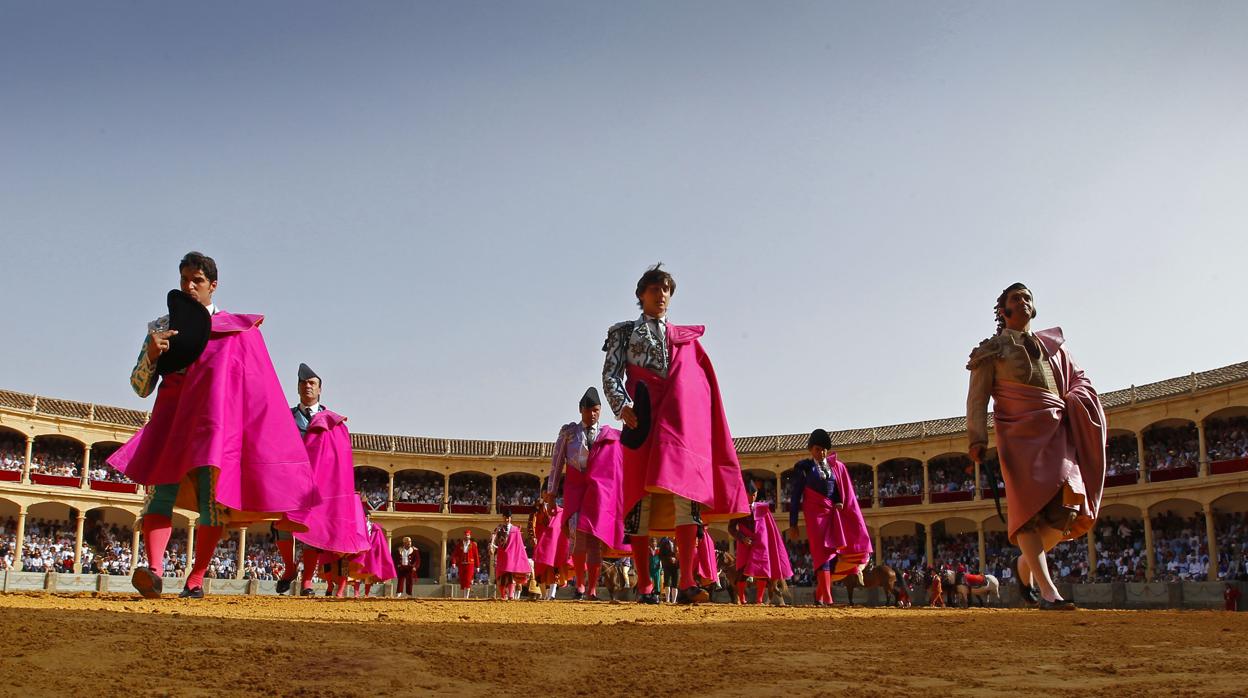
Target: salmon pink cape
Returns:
[[374, 564], [596, 496], [831, 532], [337, 522], [511, 555], [1046, 440], [765, 557], [551, 548], [689, 451], [705, 565], [226, 412]]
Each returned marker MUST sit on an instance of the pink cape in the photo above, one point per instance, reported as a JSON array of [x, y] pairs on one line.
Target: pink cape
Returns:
[[337, 523], [766, 557], [689, 451], [596, 496], [226, 412], [374, 564], [551, 548], [830, 532], [511, 555], [1045, 440], [705, 565]]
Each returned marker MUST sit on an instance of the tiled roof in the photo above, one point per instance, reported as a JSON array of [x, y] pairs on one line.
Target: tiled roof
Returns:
[[382, 443], [64, 408], [17, 401]]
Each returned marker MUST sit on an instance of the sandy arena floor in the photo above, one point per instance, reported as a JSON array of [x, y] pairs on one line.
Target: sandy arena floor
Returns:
[[112, 645]]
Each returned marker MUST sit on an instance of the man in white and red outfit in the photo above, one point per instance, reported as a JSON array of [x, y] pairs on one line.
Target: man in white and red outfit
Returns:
[[466, 559], [588, 464], [407, 565], [680, 465]]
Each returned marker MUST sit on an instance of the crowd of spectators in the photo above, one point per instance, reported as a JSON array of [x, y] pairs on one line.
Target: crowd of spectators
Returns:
[[374, 485], [1122, 455], [952, 550], [951, 474], [864, 484], [901, 478], [56, 457], [418, 486], [803, 566], [12, 451], [470, 490], [1232, 534], [518, 491], [100, 470], [48, 545], [904, 553], [1227, 439], [1167, 448]]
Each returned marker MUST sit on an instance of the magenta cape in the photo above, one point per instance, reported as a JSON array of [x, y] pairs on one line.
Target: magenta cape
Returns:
[[511, 555], [689, 451], [374, 564], [1046, 440], [596, 496], [226, 412], [337, 523], [830, 532], [766, 557], [551, 548], [705, 566]]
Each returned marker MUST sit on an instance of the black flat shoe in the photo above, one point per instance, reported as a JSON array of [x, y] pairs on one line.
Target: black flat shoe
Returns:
[[1059, 605], [189, 593], [147, 582], [283, 586], [307, 592], [651, 599]]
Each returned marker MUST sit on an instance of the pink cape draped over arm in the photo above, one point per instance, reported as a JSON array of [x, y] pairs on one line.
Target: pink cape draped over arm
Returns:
[[597, 495], [689, 451], [551, 548], [766, 557], [1046, 440], [337, 522], [830, 531], [227, 412], [511, 555], [706, 566], [375, 563]]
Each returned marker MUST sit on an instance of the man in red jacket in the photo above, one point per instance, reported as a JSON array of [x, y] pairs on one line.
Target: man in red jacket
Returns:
[[465, 558]]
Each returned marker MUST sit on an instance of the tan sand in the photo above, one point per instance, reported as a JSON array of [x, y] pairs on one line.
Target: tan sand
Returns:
[[114, 645]]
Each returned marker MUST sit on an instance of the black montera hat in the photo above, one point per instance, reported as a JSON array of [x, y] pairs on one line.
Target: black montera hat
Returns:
[[634, 438], [193, 323], [819, 437], [305, 373], [590, 398]]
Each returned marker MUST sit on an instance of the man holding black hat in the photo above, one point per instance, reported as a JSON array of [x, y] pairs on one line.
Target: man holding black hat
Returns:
[[835, 529], [215, 442], [336, 524], [680, 465], [587, 463]]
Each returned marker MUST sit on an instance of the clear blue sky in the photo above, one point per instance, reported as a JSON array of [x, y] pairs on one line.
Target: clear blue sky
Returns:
[[442, 206]]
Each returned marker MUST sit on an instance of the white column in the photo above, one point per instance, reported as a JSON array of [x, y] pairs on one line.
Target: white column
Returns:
[[78, 526], [1204, 450], [1211, 532], [30, 444], [242, 553], [86, 467], [19, 546]]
